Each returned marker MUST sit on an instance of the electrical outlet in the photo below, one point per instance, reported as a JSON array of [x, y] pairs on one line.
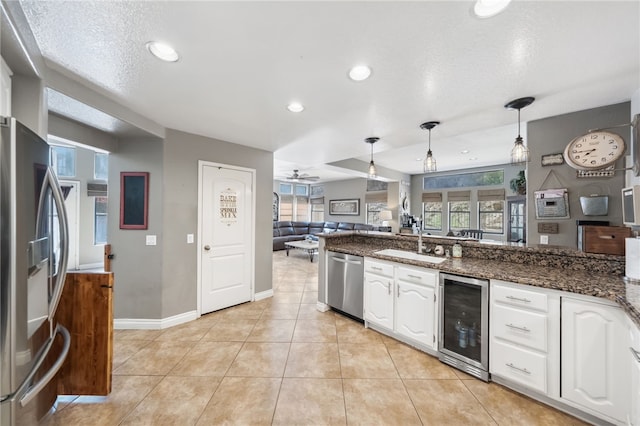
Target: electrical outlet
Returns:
[[544, 239], [151, 240], [189, 238]]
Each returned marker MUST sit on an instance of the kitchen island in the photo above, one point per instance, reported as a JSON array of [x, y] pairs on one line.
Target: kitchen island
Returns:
[[561, 321], [551, 267]]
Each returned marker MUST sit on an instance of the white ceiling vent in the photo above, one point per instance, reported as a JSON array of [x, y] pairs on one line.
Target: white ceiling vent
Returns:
[[97, 189]]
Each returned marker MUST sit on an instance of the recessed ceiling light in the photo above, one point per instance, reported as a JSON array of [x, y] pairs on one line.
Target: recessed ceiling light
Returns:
[[464, 151], [295, 107], [359, 73], [489, 8], [162, 51], [473, 158], [418, 159]]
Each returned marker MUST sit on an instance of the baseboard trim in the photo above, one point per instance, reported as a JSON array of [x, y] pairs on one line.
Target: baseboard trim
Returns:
[[263, 295], [153, 324]]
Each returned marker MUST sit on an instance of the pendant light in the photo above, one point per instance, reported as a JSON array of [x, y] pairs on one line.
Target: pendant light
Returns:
[[519, 153], [372, 167], [429, 160]]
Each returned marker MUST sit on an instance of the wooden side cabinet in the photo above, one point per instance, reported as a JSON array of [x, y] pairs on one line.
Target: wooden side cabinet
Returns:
[[86, 310]]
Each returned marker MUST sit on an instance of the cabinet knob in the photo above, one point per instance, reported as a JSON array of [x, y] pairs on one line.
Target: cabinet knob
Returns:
[[207, 247]]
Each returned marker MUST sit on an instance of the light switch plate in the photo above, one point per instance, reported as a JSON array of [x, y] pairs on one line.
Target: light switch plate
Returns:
[[544, 239], [189, 238], [151, 240]]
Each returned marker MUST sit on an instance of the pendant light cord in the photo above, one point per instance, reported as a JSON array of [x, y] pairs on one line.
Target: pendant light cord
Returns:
[[518, 122]]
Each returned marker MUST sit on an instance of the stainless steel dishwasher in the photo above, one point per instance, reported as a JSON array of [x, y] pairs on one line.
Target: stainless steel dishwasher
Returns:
[[345, 283]]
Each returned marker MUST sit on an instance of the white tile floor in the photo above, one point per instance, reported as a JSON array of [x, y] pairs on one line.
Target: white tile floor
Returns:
[[280, 361]]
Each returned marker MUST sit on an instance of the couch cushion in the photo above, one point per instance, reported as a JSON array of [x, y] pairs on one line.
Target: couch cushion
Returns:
[[344, 226], [363, 227], [301, 228], [287, 230], [330, 226], [316, 227]]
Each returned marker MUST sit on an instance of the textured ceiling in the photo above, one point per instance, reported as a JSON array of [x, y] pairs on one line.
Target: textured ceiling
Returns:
[[243, 62]]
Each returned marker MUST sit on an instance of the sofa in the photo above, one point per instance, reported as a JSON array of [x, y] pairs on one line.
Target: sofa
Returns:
[[285, 231]]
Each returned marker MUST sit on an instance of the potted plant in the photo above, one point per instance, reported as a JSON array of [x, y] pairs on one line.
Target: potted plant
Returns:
[[519, 184]]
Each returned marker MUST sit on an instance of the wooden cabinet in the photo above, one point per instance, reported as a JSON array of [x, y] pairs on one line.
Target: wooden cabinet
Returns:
[[595, 349], [524, 336], [86, 310], [400, 301]]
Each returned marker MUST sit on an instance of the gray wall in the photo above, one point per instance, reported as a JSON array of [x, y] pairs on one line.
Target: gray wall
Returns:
[[137, 267], [180, 213], [551, 135], [345, 189], [72, 130]]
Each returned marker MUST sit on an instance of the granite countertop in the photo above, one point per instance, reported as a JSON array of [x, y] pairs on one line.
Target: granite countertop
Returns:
[[607, 286]]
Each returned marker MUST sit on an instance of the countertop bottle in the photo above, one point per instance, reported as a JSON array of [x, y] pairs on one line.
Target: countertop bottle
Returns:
[[456, 250]]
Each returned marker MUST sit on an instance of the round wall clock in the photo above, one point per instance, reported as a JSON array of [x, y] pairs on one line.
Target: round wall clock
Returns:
[[595, 150]]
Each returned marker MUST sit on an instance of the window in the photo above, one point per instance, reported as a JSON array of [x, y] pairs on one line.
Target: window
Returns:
[[432, 214], [491, 216], [63, 159], [462, 180], [302, 202], [100, 221], [373, 213], [294, 202], [101, 166], [317, 212], [459, 215]]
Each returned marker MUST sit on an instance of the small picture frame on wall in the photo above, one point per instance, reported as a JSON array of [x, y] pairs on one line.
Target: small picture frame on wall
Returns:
[[349, 207], [134, 200], [552, 159]]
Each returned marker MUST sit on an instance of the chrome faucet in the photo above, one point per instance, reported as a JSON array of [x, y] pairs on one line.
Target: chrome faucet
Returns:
[[420, 247]]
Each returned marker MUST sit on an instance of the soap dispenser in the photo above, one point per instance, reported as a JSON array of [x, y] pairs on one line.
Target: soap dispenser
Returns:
[[457, 250]]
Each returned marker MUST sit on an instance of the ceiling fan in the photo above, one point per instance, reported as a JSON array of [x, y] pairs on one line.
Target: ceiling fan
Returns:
[[299, 177]]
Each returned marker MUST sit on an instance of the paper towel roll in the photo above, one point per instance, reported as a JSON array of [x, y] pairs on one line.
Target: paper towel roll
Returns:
[[632, 258]]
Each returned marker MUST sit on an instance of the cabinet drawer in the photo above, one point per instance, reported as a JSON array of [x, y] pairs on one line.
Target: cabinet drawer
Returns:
[[520, 297], [378, 268], [519, 365], [519, 326], [418, 276]]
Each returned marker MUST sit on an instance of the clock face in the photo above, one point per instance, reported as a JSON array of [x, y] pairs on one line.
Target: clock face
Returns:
[[593, 151]]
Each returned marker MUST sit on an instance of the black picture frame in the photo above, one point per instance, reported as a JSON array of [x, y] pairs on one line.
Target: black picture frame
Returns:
[[134, 200]]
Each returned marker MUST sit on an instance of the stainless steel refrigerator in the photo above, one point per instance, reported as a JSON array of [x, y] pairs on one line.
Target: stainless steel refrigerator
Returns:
[[33, 259]]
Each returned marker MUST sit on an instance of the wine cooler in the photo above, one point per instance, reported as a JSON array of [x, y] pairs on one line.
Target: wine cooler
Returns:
[[463, 340]]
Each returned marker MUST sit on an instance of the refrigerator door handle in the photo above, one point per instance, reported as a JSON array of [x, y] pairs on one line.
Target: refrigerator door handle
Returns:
[[50, 181], [37, 387]]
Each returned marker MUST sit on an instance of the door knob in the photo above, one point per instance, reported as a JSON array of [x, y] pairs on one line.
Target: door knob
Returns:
[[207, 247]]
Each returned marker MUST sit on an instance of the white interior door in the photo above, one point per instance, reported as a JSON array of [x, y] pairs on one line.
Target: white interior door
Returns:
[[226, 236], [72, 205]]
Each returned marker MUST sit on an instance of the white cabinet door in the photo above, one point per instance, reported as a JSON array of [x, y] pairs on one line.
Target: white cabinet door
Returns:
[[634, 354], [378, 300], [415, 312], [594, 362]]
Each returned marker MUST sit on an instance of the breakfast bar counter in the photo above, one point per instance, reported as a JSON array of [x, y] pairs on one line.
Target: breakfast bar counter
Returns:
[[556, 268]]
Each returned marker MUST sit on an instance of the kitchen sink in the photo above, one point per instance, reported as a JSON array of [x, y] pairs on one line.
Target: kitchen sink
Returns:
[[410, 255]]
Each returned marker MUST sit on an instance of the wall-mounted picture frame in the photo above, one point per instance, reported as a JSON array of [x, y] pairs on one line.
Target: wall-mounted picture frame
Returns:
[[134, 200], [348, 207], [552, 159]]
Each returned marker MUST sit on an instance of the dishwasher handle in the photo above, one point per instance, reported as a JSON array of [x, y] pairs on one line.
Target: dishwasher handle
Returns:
[[341, 260]]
